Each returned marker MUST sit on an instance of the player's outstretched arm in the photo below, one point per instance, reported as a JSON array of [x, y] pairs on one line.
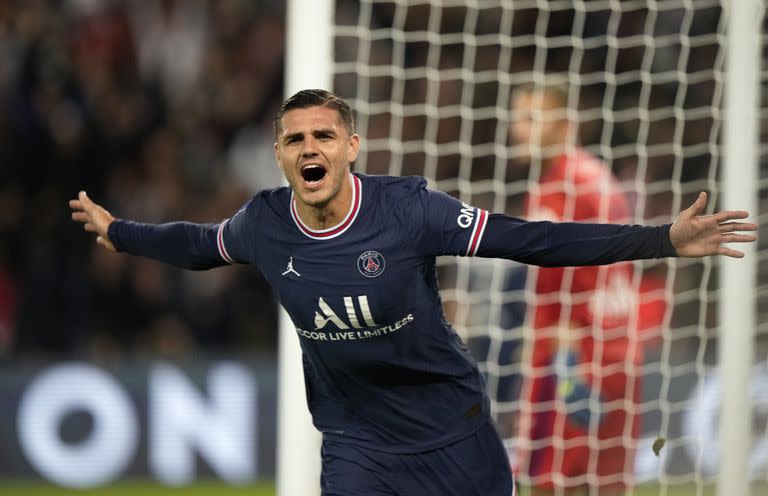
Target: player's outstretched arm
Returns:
[[695, 235], [183, 244], [95, 218]]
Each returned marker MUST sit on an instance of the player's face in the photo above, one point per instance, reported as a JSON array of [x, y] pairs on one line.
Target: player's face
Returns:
[[314, 151], [539, 127]]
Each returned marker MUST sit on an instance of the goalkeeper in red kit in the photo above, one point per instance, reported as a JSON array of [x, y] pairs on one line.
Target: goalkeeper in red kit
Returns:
[[579, 401]]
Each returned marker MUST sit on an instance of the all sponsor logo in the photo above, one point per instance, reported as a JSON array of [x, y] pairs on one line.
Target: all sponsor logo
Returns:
[[325, 314], [355, 325]]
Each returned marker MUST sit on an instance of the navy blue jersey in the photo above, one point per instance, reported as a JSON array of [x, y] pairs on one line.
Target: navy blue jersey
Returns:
[[383, 368]]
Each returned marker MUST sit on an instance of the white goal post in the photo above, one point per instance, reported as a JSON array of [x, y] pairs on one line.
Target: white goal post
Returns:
[[668, 94], [308, 64], [738, 291]]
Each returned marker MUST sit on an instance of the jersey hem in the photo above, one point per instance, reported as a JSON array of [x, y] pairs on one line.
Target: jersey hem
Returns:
[[416, 448]]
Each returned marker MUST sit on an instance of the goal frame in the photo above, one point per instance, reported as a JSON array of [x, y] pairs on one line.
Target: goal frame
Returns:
[[308, 64], [738, 293]]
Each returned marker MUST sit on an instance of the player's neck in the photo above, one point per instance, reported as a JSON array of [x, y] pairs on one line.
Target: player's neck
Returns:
[[558, 159], [329, 214], [549, 163]]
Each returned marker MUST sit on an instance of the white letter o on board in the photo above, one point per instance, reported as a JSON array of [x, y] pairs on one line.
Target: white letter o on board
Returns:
[[109, 447]]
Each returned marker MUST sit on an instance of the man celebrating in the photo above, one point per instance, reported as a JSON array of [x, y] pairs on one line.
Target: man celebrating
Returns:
[[399, 401]]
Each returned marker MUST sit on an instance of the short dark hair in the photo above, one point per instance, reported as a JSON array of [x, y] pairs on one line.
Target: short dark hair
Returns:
[[316, 98], [555, 88]]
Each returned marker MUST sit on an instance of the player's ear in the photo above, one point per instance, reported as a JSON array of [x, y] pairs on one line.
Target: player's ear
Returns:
[[569, 132], [277, 156], [354, 147]]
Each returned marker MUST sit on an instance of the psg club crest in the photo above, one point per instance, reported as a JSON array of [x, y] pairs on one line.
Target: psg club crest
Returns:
[[370, 263]]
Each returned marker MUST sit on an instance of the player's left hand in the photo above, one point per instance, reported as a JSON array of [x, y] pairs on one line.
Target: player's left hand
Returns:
[[94, 217], [695, 235]]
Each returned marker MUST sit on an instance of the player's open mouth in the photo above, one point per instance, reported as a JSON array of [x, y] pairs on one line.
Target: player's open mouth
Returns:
[[313, 173]]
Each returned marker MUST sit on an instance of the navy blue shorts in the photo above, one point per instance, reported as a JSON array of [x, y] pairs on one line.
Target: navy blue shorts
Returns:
[[474, 466]]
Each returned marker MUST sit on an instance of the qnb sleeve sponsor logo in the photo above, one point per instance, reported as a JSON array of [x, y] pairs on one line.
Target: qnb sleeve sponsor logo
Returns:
[[325, 314], [466, 219], [466, 216]]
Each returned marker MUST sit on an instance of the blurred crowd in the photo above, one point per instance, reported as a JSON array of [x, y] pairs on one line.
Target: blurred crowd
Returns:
[[161, 110]]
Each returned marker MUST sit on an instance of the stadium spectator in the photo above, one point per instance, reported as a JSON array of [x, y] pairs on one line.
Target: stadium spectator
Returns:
[[579, 409]]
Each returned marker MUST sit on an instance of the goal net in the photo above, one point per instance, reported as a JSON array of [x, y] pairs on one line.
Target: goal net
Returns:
[[431, 83]]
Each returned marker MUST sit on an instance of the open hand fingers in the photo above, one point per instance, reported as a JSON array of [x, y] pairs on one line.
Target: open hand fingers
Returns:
[[696, 208], [728, 252], [81, 217], [93, 217], [738, 238], [730, 215], [83, 197], [737, 226], [81, 203]]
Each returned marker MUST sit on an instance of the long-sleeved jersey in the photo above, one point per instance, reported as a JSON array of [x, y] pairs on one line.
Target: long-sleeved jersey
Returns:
[[383, 368]]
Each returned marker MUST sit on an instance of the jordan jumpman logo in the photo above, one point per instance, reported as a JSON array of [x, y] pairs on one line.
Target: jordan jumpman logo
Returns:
[[290, 268]]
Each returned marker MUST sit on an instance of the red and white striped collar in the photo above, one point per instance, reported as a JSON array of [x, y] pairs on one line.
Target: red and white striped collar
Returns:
[[341, 227]]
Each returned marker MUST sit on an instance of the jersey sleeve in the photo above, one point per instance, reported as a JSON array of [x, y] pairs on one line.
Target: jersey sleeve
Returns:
[[235, 236], [569, 244], [445, 225], [185, 244]]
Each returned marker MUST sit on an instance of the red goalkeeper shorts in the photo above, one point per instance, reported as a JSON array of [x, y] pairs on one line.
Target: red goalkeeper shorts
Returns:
[[572, 457]]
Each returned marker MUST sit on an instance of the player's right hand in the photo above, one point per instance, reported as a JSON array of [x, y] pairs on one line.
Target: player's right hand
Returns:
[[94, 217], [696, 235]]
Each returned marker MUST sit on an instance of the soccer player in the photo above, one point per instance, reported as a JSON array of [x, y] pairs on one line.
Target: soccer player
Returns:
[[351, 257], [578, 414]]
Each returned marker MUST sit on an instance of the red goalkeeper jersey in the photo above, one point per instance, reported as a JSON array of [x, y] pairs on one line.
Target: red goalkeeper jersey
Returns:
[[593, 306], [598, 300]]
